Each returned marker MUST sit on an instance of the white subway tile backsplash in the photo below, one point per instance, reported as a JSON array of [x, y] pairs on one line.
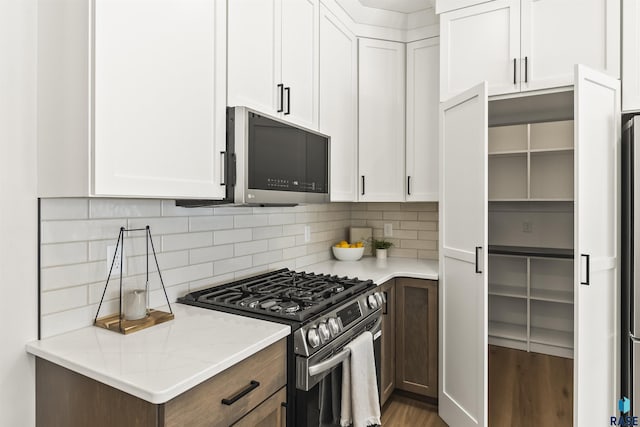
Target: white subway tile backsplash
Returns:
[[211, 223], [73, 275], [121, 208], [160, 225], [63, 254], [267, 257], [187, 274], [63, 299], [232, 264], [198, 247], [176, 242], [244, 221], [65, 209], [282, 218], [74, 231], [212, 253], [267, 232], [282, 242], [252, 247], [232, 236]]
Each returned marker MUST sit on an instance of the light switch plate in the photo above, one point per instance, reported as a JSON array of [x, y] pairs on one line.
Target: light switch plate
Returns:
[[388, 230]]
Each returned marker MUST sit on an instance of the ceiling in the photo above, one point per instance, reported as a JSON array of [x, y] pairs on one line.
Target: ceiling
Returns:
[[402, 6]]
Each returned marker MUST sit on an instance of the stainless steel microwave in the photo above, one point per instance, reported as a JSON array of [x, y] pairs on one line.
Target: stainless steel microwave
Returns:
[[271, 162]]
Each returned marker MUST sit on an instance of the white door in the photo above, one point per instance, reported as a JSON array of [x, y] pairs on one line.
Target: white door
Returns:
[[423, 69], [254, 70], [381, 93], [300, 61], [596, 316], [339, 103], [159, 100], [630, 55], [557, 34], [463, 388], [480, 43]]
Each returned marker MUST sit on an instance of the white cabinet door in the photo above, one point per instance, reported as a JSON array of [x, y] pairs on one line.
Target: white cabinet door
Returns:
[[381, 92], [463, 388], [339, 104], [253, 55], [630, 55], [557, 34], [596, 317], [159, 103], [300, 61], [480, 43], [422, 120]]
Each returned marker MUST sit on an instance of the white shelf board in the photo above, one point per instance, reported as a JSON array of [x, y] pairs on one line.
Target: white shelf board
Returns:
[[551, 337], [506, 152], [559, 199], [550, 150], [508, 291], [552, 295], [508, 330]]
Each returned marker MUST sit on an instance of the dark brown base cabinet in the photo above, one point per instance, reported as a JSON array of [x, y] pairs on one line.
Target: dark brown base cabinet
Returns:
[[67, 399], [410, 339]]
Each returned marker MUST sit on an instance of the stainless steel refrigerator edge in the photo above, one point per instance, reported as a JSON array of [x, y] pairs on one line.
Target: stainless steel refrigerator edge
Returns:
[[630, 321]]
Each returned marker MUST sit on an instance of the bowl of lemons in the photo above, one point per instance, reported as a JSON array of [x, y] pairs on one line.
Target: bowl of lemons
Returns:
[[345, 251]]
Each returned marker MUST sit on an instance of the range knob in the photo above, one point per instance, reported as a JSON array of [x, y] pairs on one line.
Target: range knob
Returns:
[[380, 298], [313, 338], [323, 331], [372, 301], [334, 326]]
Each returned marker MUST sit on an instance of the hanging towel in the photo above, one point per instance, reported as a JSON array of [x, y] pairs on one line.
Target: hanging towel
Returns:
[[360, 402]]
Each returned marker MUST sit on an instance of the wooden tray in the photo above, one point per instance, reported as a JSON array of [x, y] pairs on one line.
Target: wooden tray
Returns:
[[155, 317]]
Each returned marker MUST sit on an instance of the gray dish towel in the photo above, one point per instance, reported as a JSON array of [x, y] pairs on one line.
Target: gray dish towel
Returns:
[[360, 403]]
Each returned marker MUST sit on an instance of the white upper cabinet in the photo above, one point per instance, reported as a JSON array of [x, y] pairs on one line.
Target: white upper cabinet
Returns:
[[127, 108], [630, 55], [422, 120], [273, 58], [557, 34], [381, 95], [254, 71], [480, 43], [522, 45], [339, 103]]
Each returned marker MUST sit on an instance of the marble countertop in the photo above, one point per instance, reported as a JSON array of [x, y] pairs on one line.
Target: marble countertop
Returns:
[[161, 362], [379, 270]]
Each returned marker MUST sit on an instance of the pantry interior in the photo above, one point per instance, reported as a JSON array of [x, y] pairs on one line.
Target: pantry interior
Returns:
[[531, 257]]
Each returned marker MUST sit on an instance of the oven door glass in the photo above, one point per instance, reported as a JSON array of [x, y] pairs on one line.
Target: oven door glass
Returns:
[[320, 406], [286, 158]]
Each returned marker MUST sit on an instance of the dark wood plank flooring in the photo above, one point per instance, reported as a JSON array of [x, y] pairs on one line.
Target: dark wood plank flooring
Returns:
[[525, 390]]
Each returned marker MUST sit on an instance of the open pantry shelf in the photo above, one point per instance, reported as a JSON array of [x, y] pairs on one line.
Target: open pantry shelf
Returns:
[[531, 162], [531, 299], [508, 331]]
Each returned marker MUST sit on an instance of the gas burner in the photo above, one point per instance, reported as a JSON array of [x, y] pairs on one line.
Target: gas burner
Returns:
[[284, 293]]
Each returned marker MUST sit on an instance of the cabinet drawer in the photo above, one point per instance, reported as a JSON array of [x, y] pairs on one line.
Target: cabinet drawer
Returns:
[[202, 405], [271, 413]]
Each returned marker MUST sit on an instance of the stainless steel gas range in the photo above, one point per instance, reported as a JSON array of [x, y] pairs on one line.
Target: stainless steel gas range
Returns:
[[325, 313]]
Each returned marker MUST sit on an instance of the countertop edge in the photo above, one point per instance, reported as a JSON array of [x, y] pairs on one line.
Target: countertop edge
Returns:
[[159, 397]]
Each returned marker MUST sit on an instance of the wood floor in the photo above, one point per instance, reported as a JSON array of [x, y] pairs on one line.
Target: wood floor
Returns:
[[525, 390]]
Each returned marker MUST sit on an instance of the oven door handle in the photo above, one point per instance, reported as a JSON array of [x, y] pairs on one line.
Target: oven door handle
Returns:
[[326, 365]]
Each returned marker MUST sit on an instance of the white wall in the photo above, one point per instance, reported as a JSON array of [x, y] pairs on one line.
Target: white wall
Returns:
[[18, 210]]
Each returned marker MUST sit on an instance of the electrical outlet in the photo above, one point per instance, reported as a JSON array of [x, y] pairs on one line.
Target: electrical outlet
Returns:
[[527, 227], [307, 233], [388, 230], [117, 268]]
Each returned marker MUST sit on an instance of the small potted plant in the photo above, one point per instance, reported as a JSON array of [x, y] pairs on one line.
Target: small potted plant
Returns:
[[381, 247]]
